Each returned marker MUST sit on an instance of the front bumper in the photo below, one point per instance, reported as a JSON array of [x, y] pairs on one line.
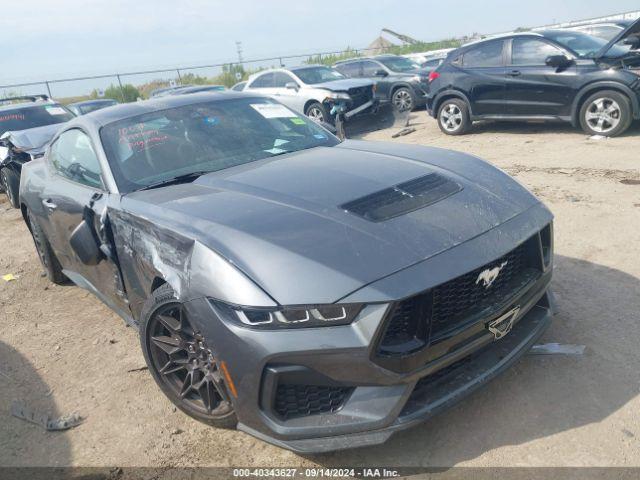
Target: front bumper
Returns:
[[380, 397]]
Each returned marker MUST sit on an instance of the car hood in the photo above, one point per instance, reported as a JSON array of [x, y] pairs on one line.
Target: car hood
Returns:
[[282, 220], [633, 29], [343, 85], [32, 140]]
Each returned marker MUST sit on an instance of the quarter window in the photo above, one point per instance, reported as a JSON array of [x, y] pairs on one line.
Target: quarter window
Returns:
[[486, 55], [73, 157], [530, 51]]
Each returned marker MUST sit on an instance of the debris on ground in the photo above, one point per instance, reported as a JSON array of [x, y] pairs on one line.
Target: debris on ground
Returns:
[[403, 132], [557, 349], [139, 369], [597, 137], [630, 181], [9, 277], [19, 410]]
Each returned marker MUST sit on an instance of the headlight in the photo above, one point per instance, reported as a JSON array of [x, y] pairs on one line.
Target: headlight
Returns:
[[338, 96], [292, 317]]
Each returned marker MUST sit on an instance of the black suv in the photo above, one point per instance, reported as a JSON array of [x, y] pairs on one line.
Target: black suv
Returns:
[[398, 79], [27, 124], [550, 75]]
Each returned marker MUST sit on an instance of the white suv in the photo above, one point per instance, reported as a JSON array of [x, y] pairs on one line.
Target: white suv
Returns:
[[315, 90]]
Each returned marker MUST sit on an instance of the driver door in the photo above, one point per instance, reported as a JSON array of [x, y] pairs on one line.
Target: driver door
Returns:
[[76, 183]]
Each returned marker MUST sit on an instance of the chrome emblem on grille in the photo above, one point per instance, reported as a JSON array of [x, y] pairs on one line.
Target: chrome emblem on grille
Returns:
[[503, 324], [488, 276]]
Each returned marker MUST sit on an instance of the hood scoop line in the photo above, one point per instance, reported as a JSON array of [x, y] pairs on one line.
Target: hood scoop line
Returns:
[[403, 198]]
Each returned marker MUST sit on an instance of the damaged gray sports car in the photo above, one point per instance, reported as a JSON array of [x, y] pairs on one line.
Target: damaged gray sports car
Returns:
[[314, 293]]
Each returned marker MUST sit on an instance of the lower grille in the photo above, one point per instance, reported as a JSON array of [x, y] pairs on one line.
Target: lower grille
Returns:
[[360, 96], [428, 317], [294, 401]]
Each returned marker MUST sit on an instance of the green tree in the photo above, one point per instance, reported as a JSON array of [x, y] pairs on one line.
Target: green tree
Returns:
[[128, 93]]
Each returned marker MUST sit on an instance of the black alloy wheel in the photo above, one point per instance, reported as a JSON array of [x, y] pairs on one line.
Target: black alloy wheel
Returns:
[[184, 366]]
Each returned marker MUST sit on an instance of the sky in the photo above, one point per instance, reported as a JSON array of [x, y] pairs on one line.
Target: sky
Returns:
[[45, 39]]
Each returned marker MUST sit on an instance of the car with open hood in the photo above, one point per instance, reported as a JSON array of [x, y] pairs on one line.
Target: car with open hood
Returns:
[[552, 75], [317, 294], [27, 124], [317, 91], [399, 80]]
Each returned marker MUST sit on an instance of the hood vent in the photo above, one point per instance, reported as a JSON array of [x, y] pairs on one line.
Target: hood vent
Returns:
[[403, 198]]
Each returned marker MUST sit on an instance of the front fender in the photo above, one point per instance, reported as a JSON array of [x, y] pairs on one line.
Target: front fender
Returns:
[[600, 85]]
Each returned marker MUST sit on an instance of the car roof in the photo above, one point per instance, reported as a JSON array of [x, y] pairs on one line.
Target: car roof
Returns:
[[502, 36], [22, 105], [122, 111]]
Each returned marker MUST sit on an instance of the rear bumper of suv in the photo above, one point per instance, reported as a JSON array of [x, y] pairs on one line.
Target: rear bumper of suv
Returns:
[[432, 342]]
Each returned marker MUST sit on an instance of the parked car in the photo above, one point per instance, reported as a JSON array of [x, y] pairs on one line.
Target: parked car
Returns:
[[197, 89], [317, 294], [550, 75], [238, 87], [315, 90], [398, 80], [26, 125], [161, 92], [605, 30], [82, 108]]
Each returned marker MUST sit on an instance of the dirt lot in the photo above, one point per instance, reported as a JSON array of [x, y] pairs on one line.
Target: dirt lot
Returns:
[[62, 351]]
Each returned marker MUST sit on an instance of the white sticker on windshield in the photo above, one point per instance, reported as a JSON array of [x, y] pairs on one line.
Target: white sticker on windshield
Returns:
[[273, 110], [56, 110]]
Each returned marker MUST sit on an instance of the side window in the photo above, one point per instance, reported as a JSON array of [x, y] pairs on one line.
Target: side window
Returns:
[[370, 68], [531, 51], [73, 157], [485, 55], [281, 79], [263, 81], [349, 69]]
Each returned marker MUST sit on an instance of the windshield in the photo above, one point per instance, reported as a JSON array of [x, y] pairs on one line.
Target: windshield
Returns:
[[32, 117], [398, 64], [313, 75], [586, 46], [205, 137]]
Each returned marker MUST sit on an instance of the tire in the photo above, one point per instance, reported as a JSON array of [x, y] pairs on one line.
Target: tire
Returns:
[[317, 112], [453, 117], [165, 328], [48, 259], [403, 100], [11, 183], [607, 113]]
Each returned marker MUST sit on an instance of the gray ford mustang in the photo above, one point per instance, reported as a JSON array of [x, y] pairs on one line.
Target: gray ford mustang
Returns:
[[316, 294]]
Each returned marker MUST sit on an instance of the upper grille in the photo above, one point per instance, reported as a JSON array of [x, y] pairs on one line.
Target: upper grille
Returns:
[[427, 317], [294, 401], [360, 95], [403, 198]]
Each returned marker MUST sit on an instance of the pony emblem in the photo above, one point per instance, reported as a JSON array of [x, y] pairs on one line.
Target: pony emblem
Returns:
[[488, 276]]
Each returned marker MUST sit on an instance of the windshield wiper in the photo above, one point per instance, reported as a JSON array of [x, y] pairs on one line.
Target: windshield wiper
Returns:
[[185, 178]]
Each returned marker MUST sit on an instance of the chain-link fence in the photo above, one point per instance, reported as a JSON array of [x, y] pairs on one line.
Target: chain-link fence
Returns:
[[129, 86]]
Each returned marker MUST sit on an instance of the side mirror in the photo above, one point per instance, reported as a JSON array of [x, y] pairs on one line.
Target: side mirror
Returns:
[[557, 61], [85, 245], [633, 41], [381, 73], [292, 86]]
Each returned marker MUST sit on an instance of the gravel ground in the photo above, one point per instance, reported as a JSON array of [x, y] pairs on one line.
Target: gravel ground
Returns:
[[62, 351]]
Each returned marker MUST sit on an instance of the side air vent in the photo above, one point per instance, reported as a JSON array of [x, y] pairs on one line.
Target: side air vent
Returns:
[[403, 198]]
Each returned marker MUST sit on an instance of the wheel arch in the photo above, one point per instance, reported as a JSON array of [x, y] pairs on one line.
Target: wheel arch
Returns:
[[592, 88], [449, 94]]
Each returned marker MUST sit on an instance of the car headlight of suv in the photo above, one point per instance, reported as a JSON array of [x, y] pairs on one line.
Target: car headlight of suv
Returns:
[[310, 316]]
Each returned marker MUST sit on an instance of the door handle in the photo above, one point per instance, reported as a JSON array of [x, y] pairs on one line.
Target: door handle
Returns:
[[48, 204], [514, 73]]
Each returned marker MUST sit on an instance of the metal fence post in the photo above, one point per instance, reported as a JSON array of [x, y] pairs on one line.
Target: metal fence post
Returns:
[[121, 88], [48, 89], [179, 77]]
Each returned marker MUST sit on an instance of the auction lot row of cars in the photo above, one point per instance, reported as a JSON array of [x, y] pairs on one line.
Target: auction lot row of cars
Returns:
[[316, 293]]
